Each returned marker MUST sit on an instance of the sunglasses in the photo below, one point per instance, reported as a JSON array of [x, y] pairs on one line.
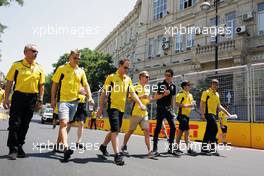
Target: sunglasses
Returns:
[[126, 68], [146, 76], [34, 51], [188, 85], [168, 75], [76, 58]]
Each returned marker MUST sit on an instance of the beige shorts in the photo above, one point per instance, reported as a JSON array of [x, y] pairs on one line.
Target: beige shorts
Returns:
[[142, 121]]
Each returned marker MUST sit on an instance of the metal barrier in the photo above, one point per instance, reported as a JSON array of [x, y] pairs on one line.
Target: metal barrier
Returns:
[[241, 88], [257, 92], [233, 89]]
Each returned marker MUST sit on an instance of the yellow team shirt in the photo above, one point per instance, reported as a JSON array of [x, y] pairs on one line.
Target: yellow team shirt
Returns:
[[136, 110], [70, 81], [93, 115], [213, 101], [117, 88], [27, 77], [2, 95], [82, 98], [223, 117], [184, 98]]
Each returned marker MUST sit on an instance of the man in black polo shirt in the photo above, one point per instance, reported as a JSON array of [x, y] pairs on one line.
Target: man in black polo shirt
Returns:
[[165, 95]]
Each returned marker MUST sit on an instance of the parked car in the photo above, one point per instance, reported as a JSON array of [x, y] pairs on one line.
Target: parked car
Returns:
[[47, 115]]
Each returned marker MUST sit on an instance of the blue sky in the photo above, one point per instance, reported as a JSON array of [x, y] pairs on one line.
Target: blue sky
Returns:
[[57, 26]]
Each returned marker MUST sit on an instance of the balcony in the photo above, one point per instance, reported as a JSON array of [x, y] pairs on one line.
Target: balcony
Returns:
[[226, 49]]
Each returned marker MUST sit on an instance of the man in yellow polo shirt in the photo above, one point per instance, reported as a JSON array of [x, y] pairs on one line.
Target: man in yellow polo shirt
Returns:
[[209, 106], [67, 82], [184, 100], [138, 116], [93, 120], [117, 86], [29, 79]]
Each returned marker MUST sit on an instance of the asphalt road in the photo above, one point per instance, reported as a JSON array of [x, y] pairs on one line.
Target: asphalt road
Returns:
[[41, 161]]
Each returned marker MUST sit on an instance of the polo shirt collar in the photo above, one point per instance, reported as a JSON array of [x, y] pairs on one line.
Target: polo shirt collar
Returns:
[[140, 84], [68, 65], [118, 74], [25, 62], [185, 92], [211, 90], [165, 82]]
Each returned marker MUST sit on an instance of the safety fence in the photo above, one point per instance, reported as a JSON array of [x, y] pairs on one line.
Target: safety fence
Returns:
[[241, 88]]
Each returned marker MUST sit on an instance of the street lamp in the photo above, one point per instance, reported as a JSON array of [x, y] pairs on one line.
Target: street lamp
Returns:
[[205, 6]]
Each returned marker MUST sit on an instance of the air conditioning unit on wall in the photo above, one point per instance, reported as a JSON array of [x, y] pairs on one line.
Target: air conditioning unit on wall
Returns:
[[247, 16], [165, 39], [241, 30]]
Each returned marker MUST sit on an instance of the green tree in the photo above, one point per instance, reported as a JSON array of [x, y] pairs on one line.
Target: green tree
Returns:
[[7, 2], [96, 66], [47, 92]]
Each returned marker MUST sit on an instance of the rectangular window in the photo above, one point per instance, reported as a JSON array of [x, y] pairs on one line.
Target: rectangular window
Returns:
[[178, 39], [116, 43], [121, 40], [190, 37], [151, 47], [260, 19], [184, 4], [213, 28], [158, 46], [159, 9], [230, 23], [131, 33]]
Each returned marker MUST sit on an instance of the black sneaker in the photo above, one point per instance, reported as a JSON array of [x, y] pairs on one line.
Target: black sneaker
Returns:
[[155, 153], [173, 152], [12, 155], [67, 154], [179, 151], [119, 160], [103, 150], [58, 147], [80, 146], [191, 152], [206, 152], [151, 156], [124, 150], [20, 152], [215, 153]]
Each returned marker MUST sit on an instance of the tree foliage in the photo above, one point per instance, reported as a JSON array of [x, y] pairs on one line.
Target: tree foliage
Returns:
[[7, 2]]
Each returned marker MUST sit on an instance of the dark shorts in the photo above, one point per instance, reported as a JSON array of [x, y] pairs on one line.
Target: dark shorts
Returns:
[[55, 116], [184, 122], [115, 119], [81, 113], [224, 129]]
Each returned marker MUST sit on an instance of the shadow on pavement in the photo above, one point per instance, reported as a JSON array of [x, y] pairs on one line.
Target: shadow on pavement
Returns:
[[48, 155], [87, 160]]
